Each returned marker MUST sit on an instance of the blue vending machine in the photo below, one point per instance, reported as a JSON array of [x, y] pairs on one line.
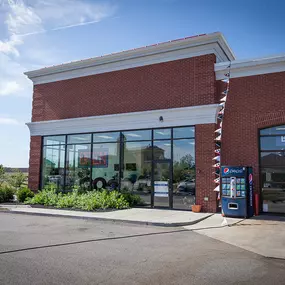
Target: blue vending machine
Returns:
[[237, 191]]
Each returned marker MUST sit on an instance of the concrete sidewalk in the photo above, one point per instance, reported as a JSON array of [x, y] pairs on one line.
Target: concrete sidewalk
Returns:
[[155, 217], [264, 235]]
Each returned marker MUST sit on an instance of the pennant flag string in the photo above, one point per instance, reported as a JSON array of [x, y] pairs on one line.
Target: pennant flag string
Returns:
[[218, 131]]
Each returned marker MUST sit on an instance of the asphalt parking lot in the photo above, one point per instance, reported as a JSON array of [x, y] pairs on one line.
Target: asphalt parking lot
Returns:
[[53, 250]]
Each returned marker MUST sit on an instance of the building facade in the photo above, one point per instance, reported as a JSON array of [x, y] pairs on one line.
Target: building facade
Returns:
[[144, 121]]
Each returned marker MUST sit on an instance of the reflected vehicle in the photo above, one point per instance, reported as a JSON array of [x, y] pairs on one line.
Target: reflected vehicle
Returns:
[[143, 184], [188, 185], [54, 178]]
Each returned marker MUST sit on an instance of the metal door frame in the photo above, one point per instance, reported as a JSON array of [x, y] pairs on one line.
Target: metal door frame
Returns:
[[170, 184]]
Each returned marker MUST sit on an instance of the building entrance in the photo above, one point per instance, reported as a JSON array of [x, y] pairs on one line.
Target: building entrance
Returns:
[[272, 162]]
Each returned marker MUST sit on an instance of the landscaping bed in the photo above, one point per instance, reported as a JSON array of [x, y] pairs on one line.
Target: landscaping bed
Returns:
[[88, 201]]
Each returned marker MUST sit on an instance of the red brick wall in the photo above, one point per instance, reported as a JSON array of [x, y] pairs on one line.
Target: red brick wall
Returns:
[[180, 83], [254, 102], [35, 162], [205, 147]]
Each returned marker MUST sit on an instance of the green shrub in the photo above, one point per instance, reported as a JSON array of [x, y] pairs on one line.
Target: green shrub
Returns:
[[133, 200], [89, 201], [24, 193], [45, 197], [6, 193]]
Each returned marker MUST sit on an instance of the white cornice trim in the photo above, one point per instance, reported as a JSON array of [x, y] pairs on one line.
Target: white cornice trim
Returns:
[[205, 44], [250, 67], [203, 114]]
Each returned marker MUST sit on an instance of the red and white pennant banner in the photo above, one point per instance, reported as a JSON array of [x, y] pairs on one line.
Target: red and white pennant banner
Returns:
[[218, 132]]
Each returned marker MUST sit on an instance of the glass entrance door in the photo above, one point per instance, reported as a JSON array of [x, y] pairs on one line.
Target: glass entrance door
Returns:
[[162, 184]]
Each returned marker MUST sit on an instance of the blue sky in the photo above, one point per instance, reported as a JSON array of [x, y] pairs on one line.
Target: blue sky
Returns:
[[38, 33]]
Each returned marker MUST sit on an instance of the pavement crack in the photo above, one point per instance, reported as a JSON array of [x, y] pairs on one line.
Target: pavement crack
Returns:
[[89, 241]]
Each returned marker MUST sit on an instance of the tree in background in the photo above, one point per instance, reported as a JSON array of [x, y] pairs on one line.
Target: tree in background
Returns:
[[17, 179], [2, 174]]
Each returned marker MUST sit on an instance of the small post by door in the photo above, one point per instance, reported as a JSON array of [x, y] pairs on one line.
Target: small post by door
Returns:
[[162, 183]]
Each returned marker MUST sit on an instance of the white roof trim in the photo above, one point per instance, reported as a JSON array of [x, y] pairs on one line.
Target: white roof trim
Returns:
[[195, 115], [194, 46], [250, 67]]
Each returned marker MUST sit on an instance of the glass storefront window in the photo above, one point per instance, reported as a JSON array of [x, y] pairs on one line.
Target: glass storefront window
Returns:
[[162, 150], [106, 137], [54, 140], [272, 143], [78, 139], [78, 160], [184, 175], [137, 135], [53, 166], [272, 162], [279, 130], [137, 169], [184, 132], [131, 161], [272, 158], [161, 134], [105, 166]]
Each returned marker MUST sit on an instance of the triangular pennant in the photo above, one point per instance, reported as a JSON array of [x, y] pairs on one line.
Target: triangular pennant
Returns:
[[219, 196], [225, 92], [227, 74], [221, 123], [217, 158], [224, 99], [218, 144], [218, 131], [222, 104], [217, 165], [217, 189], [226, 80], [217, 180], [218, 150], [217, 173], [229, 66], [218, 138]]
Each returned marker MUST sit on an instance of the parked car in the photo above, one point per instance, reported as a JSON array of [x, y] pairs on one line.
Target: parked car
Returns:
[[188, 185]]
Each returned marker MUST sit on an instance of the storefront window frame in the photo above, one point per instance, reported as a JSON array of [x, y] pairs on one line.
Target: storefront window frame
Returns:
[[260, 151], [152, 141]]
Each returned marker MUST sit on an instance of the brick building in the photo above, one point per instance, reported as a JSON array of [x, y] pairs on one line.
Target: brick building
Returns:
[[144, 120]]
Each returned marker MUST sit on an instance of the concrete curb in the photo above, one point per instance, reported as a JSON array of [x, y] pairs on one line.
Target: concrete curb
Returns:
[[175, 224]]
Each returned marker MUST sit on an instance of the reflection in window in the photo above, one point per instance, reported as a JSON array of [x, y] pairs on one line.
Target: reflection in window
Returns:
[[183, 173], [137, 169], [184, 132], [53, 166], [54, 140], [78, 167], [272, 143], [279, 130], [137, 135], [162, 149], [161, 134], [106, 137], [105, 165], [276, 159], [83, 138]]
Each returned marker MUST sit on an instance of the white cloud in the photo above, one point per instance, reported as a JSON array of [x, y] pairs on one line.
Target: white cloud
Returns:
[[31, 17], [9, 87], [9, 121], [22, 19]]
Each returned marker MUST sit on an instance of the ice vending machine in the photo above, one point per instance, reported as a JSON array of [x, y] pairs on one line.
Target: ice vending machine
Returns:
[[237, 191]]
